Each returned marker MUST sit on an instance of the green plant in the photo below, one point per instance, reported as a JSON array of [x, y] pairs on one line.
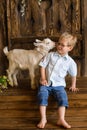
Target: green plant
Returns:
[[4, 81]]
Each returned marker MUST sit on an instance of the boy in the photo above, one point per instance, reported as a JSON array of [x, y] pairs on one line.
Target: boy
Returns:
[[54, 68]]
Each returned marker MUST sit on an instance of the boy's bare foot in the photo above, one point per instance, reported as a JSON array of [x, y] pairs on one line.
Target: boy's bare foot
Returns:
[[42, 124], [64, 124]]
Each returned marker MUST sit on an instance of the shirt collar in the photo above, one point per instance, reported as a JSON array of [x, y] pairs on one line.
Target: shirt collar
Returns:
[[65, 56]]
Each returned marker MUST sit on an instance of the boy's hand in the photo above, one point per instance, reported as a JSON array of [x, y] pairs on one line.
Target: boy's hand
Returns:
[[73, 89], [43, 81]]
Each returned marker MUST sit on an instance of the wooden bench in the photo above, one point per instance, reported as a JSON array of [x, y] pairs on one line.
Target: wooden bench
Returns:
[[19, 109]]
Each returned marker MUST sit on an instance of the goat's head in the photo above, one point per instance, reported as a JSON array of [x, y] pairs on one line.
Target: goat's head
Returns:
[[46, 44]]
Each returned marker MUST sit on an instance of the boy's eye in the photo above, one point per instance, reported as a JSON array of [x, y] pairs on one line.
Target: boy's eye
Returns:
[[62, 45]]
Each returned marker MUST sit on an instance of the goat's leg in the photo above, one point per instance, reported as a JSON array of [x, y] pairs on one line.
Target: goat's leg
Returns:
[[11, 72], [10, 77], [32, 77], [37, 76], [14, 78]]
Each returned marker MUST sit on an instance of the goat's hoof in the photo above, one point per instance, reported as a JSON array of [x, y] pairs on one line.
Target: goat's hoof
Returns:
[[15, 85], [33, 88], [11, 84]]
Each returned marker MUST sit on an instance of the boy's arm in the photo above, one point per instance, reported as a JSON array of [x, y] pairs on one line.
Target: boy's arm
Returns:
[[43, 79], [73, 85]]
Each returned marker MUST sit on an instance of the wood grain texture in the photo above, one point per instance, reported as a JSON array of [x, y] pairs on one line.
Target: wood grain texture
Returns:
[[19, 109]]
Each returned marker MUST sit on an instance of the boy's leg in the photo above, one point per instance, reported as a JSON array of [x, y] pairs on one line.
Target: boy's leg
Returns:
[[43, 120], [62, 99], [43, 95], [61, 121]]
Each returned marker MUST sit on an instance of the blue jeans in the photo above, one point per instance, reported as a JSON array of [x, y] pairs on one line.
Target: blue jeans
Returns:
[[58, 92]]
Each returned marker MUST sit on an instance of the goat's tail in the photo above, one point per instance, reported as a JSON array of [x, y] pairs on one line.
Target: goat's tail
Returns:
[[5, 50]]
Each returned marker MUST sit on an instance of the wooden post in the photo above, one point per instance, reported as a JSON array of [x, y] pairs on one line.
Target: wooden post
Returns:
[[85, 34]]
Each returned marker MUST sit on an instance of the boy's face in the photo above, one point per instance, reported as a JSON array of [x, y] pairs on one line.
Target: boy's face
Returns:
[[63, 47]]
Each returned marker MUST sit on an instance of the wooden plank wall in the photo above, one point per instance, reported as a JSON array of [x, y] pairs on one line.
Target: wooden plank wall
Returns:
[[64, 15], [33, 19], [3, 37]]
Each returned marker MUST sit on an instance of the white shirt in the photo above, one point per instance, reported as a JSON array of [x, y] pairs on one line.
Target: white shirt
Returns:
[[57, 67]]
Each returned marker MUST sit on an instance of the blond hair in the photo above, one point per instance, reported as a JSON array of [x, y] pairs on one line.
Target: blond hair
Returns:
[[71, 39]]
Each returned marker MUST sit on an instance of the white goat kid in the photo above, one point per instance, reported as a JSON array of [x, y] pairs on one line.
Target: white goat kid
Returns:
[[27, 59]]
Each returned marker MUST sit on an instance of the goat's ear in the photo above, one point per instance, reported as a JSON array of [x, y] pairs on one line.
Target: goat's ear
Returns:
[[37, 40], [36, 44]]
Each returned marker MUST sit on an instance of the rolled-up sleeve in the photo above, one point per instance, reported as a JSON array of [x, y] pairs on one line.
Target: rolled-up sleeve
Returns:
[[73, 69], [45, 60]]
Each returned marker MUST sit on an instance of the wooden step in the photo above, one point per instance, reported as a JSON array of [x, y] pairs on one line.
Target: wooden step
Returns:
[[19, 109]]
